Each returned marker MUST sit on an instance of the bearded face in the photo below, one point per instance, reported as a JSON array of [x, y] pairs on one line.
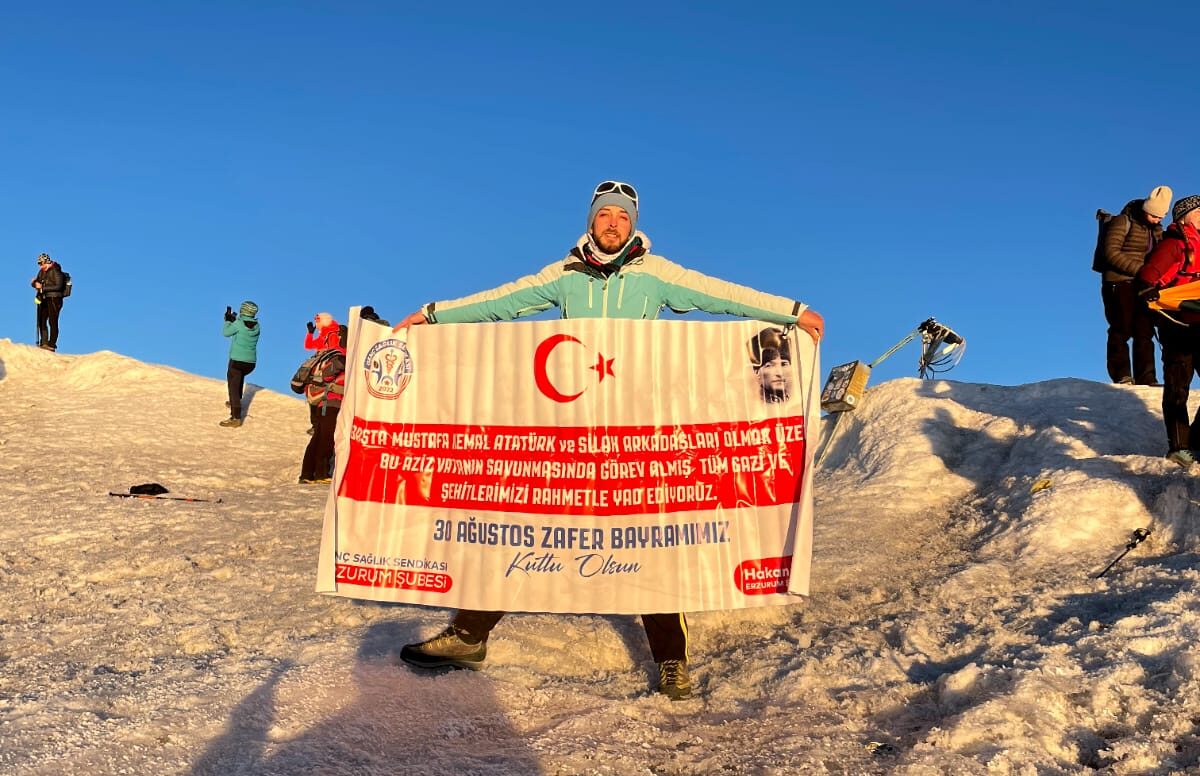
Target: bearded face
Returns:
[[611, 228]]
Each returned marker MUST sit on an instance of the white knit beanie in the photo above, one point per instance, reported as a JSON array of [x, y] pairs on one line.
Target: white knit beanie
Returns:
[[1159, 201]]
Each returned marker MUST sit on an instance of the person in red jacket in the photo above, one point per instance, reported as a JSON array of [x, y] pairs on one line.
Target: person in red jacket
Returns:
[[331, 385], [323, 334], [1174, 261]]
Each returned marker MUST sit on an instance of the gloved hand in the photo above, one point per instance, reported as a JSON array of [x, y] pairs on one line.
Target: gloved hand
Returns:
[[1150, 294], [311, 327], [229, 316]]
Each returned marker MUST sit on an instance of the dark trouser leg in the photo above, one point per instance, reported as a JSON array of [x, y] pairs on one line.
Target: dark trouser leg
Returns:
[[1194, 359], [313, 411], [320, 446], [1118, 311], [1177, 358], [53, 309], [235, 378], [43, 314], [476, 625], [667, 634], [1143, 342]]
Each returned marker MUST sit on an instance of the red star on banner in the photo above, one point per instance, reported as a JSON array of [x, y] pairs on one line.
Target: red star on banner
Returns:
[[603, 366]]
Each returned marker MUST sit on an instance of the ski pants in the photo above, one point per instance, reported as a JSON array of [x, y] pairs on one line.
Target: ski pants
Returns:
[[667, 633], [235, 378], [1181, 358], [319, 453], [1128, 318], [47, 320]]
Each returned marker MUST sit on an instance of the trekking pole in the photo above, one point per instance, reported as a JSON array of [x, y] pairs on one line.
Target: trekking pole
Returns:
[[1139, 535], [825, 444], [148, 497]]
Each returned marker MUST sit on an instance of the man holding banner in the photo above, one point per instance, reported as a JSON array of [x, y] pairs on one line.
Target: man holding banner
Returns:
[[610, 273]]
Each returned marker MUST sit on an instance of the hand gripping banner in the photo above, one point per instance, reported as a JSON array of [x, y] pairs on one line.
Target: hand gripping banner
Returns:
[[590, 466]]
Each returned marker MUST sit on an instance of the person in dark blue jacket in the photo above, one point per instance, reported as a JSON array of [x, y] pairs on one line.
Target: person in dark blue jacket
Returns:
[[244, 330]]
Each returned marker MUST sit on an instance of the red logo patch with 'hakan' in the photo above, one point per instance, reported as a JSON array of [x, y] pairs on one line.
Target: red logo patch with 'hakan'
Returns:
[[763, 576]]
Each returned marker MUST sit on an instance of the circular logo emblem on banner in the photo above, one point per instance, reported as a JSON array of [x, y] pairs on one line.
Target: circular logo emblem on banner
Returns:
[[388, 368]]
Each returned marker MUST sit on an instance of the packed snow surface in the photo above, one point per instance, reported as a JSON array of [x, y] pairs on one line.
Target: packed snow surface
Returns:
[[956, 624]]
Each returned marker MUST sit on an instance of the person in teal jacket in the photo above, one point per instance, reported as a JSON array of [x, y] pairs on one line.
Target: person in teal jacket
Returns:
[[610, 273], [244, 330]]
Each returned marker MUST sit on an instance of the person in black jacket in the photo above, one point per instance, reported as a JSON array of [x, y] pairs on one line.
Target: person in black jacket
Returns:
[[368, 314], [50, 286], [1128, 240]]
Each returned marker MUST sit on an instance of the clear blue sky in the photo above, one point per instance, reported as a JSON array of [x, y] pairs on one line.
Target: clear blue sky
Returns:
[[883, 162]]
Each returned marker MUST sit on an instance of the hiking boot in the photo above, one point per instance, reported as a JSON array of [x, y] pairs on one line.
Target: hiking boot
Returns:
[[445, 650], [673, 680], [1124, 381], [1182, 457], [231, 423]]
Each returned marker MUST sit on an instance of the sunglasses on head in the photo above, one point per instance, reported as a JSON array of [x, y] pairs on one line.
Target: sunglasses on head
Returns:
[[610, 186]]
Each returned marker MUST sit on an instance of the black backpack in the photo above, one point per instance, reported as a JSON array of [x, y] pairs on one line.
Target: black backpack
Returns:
[[1104, 218], [66, 283]]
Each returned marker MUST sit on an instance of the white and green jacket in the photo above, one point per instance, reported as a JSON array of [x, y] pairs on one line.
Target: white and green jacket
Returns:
[[636, 284]]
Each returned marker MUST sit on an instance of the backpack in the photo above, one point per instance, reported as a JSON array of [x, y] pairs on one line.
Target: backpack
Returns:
[[66, 282], [309, 368], [324, 377], [1099, 262]]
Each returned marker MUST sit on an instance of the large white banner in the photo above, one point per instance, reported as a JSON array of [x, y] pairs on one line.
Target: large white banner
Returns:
[[604, 466]]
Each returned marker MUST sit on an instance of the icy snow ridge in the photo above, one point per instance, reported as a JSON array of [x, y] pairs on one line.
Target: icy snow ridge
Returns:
[[956, 624]]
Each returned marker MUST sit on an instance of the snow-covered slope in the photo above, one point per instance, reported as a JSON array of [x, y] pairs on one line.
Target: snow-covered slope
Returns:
[[956, 625]]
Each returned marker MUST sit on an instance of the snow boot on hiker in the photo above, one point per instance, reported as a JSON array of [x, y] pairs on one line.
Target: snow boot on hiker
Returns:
[[448, 649], [674, 680], [231, 423], [1184, 458]]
